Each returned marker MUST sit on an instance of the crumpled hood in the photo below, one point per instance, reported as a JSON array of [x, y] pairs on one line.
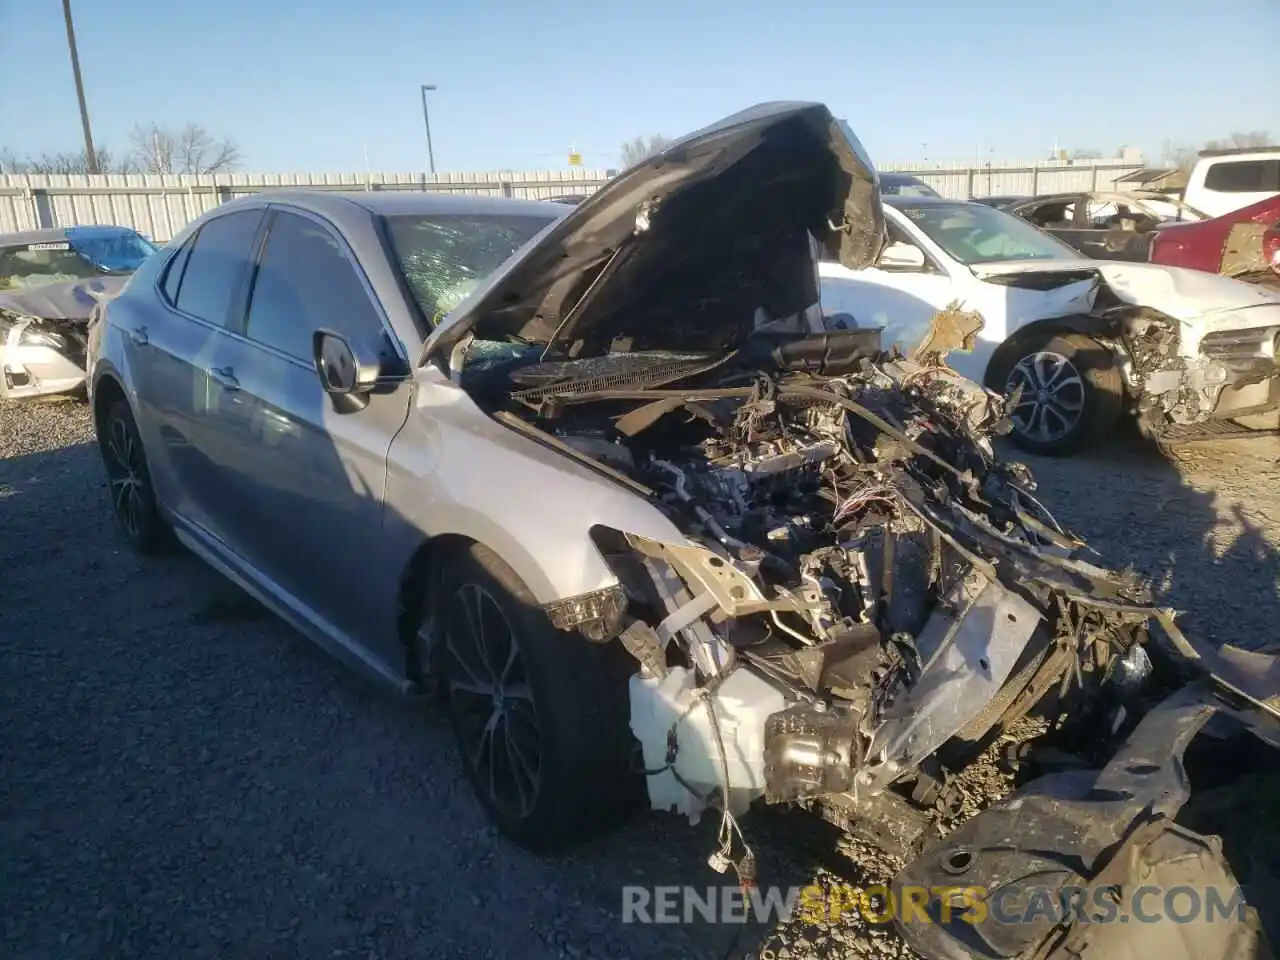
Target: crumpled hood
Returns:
[[681, 249], [1007, 268], [1208, 301], [1191, 295], [72, 300]]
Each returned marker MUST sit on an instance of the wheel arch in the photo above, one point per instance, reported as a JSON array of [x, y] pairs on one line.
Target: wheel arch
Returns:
[[107, 389], [415, 593], [1004, 354]]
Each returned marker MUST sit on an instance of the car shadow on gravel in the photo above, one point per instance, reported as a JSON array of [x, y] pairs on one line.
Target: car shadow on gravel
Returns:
[[1202, 522]]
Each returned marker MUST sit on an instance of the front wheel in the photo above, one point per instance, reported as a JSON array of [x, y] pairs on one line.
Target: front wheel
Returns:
[[540, 715], [133, 500], [1072, 392]]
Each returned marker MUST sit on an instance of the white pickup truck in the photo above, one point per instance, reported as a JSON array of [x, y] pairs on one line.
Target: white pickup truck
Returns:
[[1226, 180], [1082, 340]]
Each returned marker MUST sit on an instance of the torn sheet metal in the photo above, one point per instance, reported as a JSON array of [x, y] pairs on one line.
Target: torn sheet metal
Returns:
[[971, 659], [1076, 834], [952, 328]]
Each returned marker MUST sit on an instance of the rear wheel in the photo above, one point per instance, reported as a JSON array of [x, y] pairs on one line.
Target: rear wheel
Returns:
[[132, 498], [540, 716], [1072, 392]]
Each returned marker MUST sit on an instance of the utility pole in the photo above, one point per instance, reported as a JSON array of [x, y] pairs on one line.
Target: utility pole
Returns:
[[89, 155], [426, 120]]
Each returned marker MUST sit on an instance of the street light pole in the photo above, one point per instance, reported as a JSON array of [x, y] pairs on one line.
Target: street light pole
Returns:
[[426, 120], [90, 157]]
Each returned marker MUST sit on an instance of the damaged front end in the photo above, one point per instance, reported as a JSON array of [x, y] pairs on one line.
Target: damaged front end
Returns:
[[1202, 350], [855, 597], [867, 596], [44, 336], [1230, 374], [866, 601]]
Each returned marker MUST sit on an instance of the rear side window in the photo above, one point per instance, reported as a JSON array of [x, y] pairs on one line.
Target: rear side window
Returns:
[[216, 265], [173, 278], [1243, 176], [304, 282]]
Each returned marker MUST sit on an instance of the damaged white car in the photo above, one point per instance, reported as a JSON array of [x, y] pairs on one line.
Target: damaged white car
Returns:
[[1080, 341], [646, 528], [50, 282]]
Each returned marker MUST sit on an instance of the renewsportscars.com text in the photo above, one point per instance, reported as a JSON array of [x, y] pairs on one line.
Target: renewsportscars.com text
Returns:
[[879, 904]]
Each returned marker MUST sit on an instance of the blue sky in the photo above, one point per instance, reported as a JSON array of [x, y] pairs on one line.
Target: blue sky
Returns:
[[521, 81]]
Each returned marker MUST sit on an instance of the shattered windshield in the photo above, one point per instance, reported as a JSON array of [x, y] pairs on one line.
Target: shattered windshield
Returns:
[[444, 257], [85, 252], [38, 264], [975, 233], [113, 251]]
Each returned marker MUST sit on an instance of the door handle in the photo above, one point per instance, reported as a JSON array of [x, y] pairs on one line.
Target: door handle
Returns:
[[224, 377], [138, 335]]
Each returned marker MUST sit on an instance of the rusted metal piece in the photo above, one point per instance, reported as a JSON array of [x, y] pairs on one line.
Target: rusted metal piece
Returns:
[[952, 328], [1242, 253]]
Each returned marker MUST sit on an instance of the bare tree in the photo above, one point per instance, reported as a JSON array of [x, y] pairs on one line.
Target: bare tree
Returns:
[[65, 162], [10, 162], [1183, 156], [633, 151], [1250, 138], [191, 149]]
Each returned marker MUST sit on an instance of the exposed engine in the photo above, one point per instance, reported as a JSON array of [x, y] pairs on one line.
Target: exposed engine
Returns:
[[868, 595]]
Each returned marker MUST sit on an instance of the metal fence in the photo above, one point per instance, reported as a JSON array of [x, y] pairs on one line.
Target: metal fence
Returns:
[[159, 205], [1018, 179]]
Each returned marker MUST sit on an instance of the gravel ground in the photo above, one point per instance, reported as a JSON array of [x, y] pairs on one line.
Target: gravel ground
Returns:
[[184, 776]]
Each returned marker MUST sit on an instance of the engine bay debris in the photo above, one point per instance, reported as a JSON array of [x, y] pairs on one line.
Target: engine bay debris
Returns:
[[868, 596]]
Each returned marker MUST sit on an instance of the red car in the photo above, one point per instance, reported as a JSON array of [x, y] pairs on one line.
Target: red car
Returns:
[[1244, 243]]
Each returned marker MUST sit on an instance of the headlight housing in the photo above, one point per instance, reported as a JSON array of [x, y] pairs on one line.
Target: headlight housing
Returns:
[[597, 615], [33, 337]]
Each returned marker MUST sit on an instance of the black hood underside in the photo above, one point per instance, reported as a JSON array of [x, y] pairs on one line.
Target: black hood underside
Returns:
[[680, 251]]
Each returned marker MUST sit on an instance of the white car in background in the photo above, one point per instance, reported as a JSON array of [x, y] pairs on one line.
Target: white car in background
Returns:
[[1082, 339], [1226, 180]]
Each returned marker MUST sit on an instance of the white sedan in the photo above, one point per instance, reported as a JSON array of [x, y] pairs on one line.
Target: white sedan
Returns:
[[1083, 340]]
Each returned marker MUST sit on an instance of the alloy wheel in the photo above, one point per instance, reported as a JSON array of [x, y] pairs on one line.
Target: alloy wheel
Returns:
[[1051, 405], [491, 701], [128, 478]]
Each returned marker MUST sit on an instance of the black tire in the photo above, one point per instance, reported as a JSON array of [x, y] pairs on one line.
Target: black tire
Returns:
[[133, 501], [1083, 399], [565, 707]]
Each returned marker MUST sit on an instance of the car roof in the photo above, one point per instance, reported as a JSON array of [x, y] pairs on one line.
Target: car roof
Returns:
[[54, 234], [336, 204], [33, 236]]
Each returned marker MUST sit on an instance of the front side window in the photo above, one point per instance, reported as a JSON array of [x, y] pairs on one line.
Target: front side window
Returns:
[[305, 282], [974, 233], [443, 258], [216, 266]]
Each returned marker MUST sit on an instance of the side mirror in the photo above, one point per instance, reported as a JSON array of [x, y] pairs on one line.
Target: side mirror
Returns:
[[901, 256], [345, 369]]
